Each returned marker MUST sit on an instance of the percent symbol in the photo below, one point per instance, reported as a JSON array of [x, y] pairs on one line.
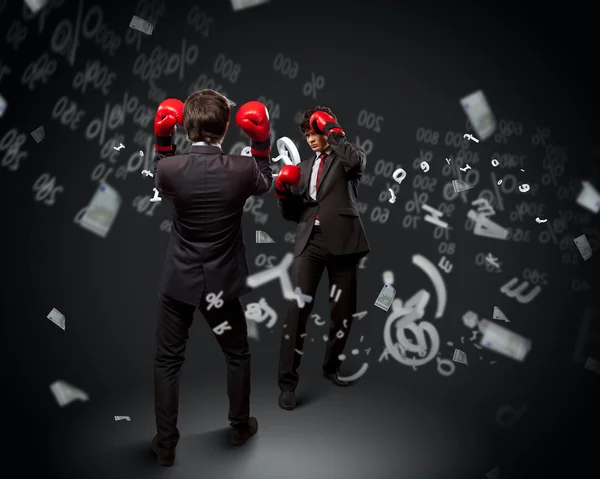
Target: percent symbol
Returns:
[[203, 81], [553, 229], [532, 275], [40, 70], [504, 131], [134, 36], [549, 177], [316, 83], [177, 61], [446, 209], [45, 189], [540, 136], [16, 34], [214, 300], [113, 118], [414, 204], [424, 155], [11, 144], [565, 217], [108, 152]]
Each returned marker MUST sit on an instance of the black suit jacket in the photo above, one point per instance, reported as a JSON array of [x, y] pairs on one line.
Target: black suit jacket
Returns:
[[207, 190], [337, 194]]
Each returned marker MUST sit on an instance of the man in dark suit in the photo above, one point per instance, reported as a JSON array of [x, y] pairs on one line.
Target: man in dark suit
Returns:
[[320, 195], [206, 254]]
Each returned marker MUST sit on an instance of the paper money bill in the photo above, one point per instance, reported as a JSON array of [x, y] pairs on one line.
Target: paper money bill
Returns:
[[102, 210], [503, 341], [385, 298], [119, 418], [262, 237], [65, 393], [242, 4], [38, 134], [3, 105], [57, 318], [36, 5], [589, 197], [499, 315], [593, 365], [460, 357], [252, 329], [584, 247], [460, 185], [479, 113], [141, 25]]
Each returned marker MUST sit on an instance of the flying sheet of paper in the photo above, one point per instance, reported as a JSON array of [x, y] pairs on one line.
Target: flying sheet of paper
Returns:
[[65, 393], [36, 5], [57, 318], [102, 210], [460, 357], [498, 314], [479, 113], [460, 185], [141, 25], [252, 329], [38, 134], [589, 198], [243, 4], [584, 247], [126, 418], [262, 237], [385, 298], [503, 341]]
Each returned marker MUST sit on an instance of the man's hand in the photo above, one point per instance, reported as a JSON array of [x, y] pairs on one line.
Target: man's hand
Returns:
[[253, 118], [168, 114], [323, 123], [288, 176]]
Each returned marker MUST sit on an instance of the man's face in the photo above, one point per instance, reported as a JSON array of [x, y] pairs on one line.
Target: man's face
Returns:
[[316, 142]]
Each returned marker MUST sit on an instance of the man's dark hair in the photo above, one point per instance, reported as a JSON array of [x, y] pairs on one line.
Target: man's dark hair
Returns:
[[205, 116], [304, 125]]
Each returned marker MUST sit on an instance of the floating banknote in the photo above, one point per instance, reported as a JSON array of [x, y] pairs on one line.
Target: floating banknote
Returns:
[[141, 25], [36, 5], [460, 357], [385, 298], [65, 393], [583, 246], [479, 113], [242, 4], [503, 341], [589, 197], [3, 105], [499, 315], [252, 329], [119, 418], [460, 185], [262, 237], [57, 318], [38, 134], [102, 210], [593, 365]]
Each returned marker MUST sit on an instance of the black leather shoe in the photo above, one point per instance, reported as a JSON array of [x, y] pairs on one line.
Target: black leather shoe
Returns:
[[287, 400], [166, 457], [335, 379], [240, 436]]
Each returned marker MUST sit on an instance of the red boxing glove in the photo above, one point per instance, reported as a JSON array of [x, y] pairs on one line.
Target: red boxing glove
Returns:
[[287, 177], [253, 118], [323, 123], [168, 114]]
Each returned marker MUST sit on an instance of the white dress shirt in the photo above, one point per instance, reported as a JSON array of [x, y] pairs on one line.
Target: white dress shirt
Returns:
[[312, 191]]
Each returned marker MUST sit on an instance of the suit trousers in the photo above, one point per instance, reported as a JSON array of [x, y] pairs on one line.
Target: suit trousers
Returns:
[[172, 334], [307, 270]]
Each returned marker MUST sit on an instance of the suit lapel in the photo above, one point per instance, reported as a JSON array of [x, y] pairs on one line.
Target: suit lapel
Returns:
[[307, 172], [328, 162]]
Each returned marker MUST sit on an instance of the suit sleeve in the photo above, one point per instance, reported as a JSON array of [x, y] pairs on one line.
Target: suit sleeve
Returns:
[[293, 206], [262, 177], [159, 155], [352, 157]]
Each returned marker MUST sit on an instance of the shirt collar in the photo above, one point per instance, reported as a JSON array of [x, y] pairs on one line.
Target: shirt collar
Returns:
[[327, 152], [203, 143]]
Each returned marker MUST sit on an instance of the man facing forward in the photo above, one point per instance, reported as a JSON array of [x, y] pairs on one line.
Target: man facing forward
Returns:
[[320, 195]]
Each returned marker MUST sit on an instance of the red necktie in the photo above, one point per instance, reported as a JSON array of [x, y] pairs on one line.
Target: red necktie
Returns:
[[322, 157]]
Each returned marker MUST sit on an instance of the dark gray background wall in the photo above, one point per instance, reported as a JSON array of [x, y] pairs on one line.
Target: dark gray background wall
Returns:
[[407, 62]]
